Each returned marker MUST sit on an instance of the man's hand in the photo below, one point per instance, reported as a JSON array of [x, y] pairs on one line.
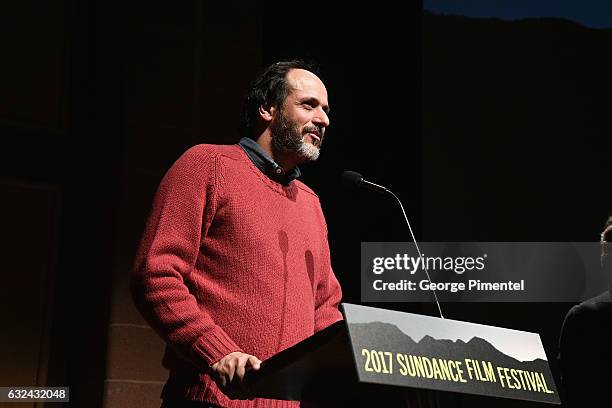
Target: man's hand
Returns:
[[229, 373]]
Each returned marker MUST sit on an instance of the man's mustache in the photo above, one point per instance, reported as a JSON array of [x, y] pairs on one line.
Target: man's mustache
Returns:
[[314, 129]]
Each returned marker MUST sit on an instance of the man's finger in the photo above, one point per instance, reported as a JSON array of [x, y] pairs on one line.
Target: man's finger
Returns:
[[230, 371], [240, 367], [254, 363]]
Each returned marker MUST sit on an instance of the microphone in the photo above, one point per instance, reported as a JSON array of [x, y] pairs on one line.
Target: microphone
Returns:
[[356, 180]]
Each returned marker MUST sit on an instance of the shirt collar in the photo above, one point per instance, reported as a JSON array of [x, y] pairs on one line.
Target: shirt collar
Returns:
[[266, 164]]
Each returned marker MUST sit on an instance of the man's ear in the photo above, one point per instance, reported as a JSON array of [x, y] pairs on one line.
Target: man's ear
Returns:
[[267, 112]]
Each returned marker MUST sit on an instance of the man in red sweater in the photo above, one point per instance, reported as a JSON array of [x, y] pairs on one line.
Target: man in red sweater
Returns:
[[234, 262]]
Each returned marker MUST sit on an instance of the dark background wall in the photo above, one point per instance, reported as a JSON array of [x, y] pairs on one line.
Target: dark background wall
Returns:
[[515, 142], [487, 130]]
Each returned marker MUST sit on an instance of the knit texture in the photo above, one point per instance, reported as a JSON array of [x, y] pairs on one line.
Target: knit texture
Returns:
[[231, 261]]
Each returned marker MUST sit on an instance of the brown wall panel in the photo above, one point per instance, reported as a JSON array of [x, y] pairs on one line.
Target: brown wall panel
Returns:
[[29, 215]]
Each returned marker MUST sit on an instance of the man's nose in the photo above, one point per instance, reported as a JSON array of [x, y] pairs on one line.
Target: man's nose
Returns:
[[321, 118]]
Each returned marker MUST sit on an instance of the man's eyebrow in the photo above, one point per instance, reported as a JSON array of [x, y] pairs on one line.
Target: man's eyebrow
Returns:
[[312, 99]]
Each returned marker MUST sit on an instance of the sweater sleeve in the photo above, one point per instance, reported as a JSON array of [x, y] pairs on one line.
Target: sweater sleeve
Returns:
[[183, 209], [328, 292]]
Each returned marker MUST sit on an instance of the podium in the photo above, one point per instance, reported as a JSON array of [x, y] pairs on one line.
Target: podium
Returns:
[[319, 366], [321, 370], [391, 357]]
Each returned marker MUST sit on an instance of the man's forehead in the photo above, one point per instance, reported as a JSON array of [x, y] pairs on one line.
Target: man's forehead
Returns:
[[302, 80]]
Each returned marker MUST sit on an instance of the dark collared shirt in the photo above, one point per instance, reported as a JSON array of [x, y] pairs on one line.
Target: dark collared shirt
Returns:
[[264, 162]]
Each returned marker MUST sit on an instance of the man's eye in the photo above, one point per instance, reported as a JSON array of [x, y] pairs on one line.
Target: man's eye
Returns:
[[307, 105]]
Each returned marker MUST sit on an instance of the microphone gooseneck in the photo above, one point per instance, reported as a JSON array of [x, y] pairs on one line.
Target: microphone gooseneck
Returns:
[[355, 179]]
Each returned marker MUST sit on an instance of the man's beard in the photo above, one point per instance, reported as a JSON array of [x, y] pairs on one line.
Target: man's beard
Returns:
[[287, 138]]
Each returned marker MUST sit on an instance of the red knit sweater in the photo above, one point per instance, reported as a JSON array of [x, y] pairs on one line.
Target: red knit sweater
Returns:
[[231, 261]]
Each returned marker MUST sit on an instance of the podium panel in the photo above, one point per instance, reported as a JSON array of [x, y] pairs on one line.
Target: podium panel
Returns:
[[390, 352]]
